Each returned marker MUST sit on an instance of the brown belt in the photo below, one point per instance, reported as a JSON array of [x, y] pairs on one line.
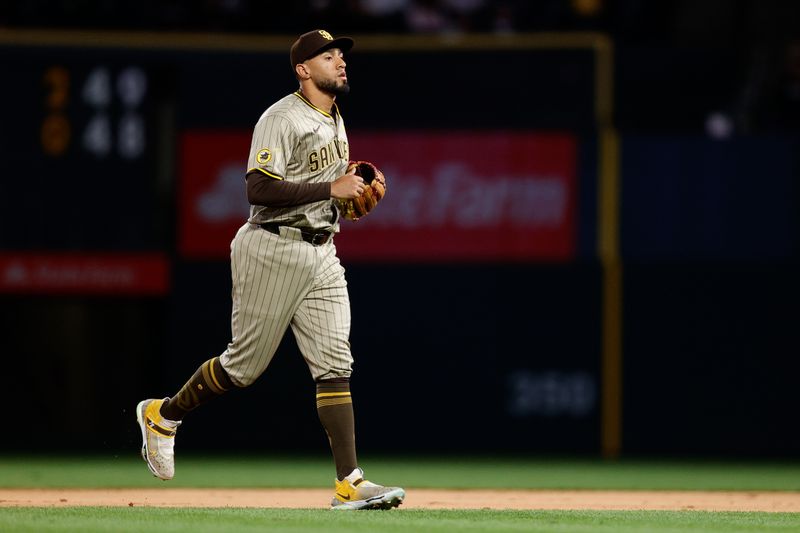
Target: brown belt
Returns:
[[317, 238]]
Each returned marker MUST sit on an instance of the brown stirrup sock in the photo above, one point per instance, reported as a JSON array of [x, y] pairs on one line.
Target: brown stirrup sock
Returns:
[[335, 410], [208, 382]]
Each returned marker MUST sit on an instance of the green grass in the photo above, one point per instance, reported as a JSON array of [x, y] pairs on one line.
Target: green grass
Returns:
[[473, 472], [452, 472], [243, 520]]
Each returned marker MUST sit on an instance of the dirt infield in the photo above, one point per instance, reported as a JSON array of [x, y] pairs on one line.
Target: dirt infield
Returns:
[[416, 499]]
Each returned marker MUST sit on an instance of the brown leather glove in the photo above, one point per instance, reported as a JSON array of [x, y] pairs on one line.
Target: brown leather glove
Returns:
[[374, 190]]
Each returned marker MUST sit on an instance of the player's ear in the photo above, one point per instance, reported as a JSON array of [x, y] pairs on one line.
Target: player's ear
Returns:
[[302, 71]]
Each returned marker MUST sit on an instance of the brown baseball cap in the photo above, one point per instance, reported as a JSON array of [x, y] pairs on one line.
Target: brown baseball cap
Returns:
[[315, 42]]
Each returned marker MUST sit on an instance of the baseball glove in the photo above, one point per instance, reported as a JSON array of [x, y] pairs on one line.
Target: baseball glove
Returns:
[[374, 190]]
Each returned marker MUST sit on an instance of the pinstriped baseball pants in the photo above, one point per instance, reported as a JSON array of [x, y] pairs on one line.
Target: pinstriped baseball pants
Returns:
[[281, 281]]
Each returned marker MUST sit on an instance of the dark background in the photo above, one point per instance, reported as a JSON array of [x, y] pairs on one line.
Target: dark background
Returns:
[[449, 357]]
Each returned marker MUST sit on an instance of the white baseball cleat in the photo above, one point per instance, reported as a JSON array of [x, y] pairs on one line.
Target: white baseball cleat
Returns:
[[356, 493], [158, 438]]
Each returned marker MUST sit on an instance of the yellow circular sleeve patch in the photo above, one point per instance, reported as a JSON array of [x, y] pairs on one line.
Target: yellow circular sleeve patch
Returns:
[[263, 156]]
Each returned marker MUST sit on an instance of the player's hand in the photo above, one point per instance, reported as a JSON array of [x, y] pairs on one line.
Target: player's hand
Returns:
[[347, 187]]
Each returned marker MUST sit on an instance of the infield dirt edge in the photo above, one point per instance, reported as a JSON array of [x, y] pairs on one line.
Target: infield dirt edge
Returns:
[[758, 501]]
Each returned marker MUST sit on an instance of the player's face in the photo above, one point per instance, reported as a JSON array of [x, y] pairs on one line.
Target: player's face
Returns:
[[328, 72]]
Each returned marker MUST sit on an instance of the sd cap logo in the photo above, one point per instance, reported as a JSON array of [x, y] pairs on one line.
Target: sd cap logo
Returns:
[[263, 156], [325, 34]]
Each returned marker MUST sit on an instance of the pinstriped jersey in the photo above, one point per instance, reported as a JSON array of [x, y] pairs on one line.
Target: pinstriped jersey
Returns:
[[300, 143]]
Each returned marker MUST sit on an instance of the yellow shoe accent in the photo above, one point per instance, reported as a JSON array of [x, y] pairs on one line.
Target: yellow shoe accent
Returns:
[[362, 494], [154, 420], [158, 439], [345, 491]]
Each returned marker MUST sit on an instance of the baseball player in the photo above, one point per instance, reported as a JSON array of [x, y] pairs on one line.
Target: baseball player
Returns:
[[286, 273]]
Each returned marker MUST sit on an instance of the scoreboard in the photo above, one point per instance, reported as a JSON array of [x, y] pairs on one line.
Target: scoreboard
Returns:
[[79, 151], [86, 185], [100, 89]]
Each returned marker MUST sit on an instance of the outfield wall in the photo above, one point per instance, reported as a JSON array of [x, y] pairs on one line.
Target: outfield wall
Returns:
[[478, 312]]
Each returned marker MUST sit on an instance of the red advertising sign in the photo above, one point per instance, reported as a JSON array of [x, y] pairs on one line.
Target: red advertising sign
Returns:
[[467, 196], [456, 196], [84, 273], [212, 197]]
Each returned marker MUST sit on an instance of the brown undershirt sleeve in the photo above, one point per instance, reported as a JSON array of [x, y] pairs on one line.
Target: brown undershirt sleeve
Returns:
[[264, 190]]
